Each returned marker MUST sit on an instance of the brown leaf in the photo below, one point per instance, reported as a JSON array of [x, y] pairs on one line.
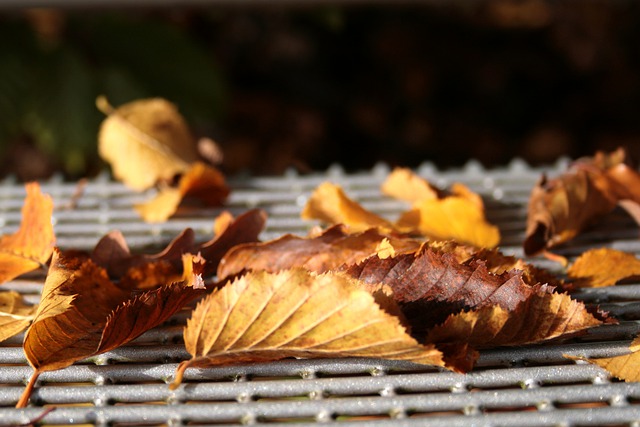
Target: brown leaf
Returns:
[[142, 271], [321, 253], [541, 317], [435, 214], [30, 247], [431, 284], [624, 367], [561, 208], [145, 141], [330, 204], [15, 314], [603, 267], [294, 313], [80, 304], [200, 183]]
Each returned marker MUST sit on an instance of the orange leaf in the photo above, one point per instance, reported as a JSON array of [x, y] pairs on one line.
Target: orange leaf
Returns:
[[200, 182], [603, 267], [294, 313], [31, 246], [541, 317], [330, 204], [145, 141], [559, 209], [404, 184], [80, 304], [15, 315]]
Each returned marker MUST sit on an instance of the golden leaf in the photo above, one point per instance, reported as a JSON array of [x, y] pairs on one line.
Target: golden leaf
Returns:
[[624, 367], [330, 204], [15, 315], [200, 182], [145, 141], [31, 246], [404, 184], [263, 316], [603, 267]]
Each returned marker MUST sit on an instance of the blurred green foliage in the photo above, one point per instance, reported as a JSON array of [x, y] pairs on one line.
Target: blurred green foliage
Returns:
[[49, 82]]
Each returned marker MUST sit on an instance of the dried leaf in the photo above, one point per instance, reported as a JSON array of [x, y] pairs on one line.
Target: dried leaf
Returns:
[[431, 284], [603, 267], [294, 313], [200, 183], [435, 214], [330, 204], [15, 314], [541, 317], [404, 184], [142, 271], [80, 305], [559, 209], [321, 253], [145, 141], [624, 367], [31, 246]]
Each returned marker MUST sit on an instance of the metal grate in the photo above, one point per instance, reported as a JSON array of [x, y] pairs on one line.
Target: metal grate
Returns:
[[522, 386]]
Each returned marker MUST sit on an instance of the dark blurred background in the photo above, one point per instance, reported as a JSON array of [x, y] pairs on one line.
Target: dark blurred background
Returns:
[[283, 86]]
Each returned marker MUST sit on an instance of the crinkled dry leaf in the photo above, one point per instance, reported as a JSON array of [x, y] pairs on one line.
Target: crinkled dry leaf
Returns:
[[15, 314], [458, 215], [142, 271], [624, 367], [31, 246], [200, 183], [431, 284], [263, 316], [325, 252], [145, 141], [78, 303], [330, 204], [543, 316], [561, 208], [603, 267]]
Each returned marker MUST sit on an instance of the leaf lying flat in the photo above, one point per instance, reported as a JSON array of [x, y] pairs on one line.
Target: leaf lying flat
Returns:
[[31, 246], [431, 284], [145, 141], [541, 317], [458, 216], [603, 267], [294, 313], [200, 182], [559, 209], [330, 204], [325, 252], [624, 367], [15, 314]]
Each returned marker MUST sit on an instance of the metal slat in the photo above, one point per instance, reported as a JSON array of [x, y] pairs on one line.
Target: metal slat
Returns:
[[519, 386]]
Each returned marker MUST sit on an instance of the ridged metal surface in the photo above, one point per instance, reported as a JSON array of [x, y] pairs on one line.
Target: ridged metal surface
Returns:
[[522, 386]]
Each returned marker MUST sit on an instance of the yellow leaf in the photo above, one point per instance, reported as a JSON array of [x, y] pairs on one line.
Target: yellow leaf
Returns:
[[603, 267], [31, 246], [330, 204], [404, 184], [624, 367], [200, 182], [455, 218], [263, 316], [15, 315], [145, 141]]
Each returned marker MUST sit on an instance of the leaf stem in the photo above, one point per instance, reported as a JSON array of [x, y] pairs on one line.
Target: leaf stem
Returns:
[[179, 374], [26, 394]]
